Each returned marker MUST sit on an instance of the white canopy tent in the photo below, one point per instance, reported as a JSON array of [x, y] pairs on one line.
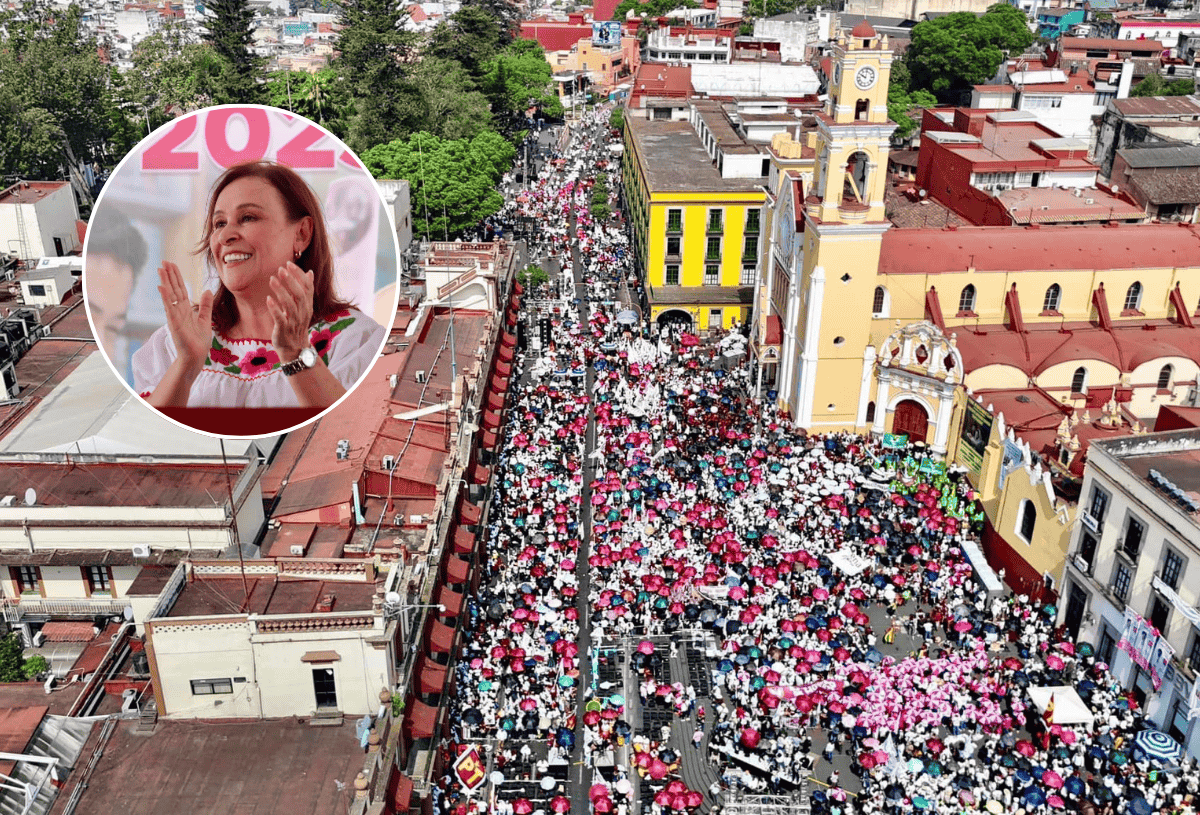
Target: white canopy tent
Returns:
[[1068, 707]]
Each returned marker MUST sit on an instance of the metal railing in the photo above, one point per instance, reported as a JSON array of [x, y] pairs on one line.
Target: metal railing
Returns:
[[16, 609]]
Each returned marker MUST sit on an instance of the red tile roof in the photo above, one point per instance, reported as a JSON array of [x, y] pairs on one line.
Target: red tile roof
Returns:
[[995, 249], [555, 36], [68, 632], [17, 726]]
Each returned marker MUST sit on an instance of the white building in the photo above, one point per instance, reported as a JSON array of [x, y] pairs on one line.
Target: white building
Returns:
[[37, 219], [48, 283], [1131, 586], [794, 32], [310, 638], [1068, 103], [689, 46]]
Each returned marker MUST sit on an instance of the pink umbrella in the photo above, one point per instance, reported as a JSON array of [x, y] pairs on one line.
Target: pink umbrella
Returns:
[[560, 804], [658, 769], [591, 718], [597, 791], [663, 798], [694, 799], [1056, 801], [529, 703], [645, 647], [1054, 662], [523, 806], [1026, 748], [1052, 779], [962, 626], [676, 787], [750, 737], [603, 805]]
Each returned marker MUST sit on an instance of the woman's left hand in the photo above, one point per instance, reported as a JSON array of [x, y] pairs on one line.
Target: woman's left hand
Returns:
[[291, 306]]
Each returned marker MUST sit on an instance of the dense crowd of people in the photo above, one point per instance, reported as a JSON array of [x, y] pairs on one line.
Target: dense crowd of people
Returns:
[[701, 515]]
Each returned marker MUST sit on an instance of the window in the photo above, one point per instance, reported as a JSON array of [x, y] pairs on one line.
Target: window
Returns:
[[28, 579], [1087, 550], [1027, 521], [1133, 297], [1171, 569], [1135, 530], [715, 316], [1108, 646], [1120, 585], [716, 220], [750, 248], [1160, 613], [671, 277], [1099, 508], [1079, 381], [712, 275], [674, 220], [1193, 657], [879, 306], [752, 220], [870, 418], [97, 579], [966, 300], [209, 687], [36, 290], [1164, 378], [673, 243], [1052, 298], [713, 251], [749, 275]]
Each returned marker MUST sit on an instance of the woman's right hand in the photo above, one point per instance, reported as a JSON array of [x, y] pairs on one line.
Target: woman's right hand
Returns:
[[190, 326]]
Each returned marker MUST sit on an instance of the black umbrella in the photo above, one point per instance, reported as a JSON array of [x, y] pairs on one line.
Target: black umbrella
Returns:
[[472, 717]]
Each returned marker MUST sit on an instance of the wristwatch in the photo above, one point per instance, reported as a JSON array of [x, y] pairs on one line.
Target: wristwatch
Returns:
[[306, 360]]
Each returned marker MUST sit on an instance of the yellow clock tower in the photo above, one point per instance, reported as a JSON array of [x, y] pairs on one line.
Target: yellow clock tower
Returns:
[[844, 222]]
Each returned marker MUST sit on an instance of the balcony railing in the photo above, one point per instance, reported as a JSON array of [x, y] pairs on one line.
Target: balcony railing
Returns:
[[16, 610]]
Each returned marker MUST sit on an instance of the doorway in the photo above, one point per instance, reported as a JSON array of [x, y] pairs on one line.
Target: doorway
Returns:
[[324, 688], [1076, 607], [911, 419], [58, 247]]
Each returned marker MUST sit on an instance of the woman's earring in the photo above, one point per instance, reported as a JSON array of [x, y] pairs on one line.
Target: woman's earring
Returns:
[[296, 255]]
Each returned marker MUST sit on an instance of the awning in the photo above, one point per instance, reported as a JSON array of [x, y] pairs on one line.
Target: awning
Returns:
[[504, 370], [514, 302], [469, 514], [451, 599], [495, 401], [774, 330], [420, 720], [505, 353], [441, 638], [490, 439], [431, 677], [402, 794], [517, 287], [1068, 707], [491, 420], [481, 474], [457, 569], [508, 340], [512, 319], [321, 656], [464, 541]]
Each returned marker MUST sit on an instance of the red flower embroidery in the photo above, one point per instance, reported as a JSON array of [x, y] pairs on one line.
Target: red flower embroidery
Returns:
[[320, 340], [259, 361], [333, 318], [222, 356]]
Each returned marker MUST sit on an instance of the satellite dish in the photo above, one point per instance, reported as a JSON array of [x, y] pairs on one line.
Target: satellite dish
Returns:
[[127, 613], [392, 598], [30, 497]]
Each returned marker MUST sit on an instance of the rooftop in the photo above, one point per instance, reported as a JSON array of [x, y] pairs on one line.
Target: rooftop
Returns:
[[29, 192], [674, 159], [1160, 189], [1098, 43], [274, 767], [207, 595], [1047, 205], [1161, 154], [93, 482], [1165, 106], [1004, 249], [1175, 456]]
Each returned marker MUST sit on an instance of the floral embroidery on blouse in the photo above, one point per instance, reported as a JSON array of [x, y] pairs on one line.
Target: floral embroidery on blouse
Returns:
[[261, 360]]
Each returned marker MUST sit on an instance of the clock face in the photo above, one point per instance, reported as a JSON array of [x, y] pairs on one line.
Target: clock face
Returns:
[[865, 77]]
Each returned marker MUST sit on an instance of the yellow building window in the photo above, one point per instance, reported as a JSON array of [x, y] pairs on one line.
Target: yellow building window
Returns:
[[712, 275], [716, 220], [713, 251], [671, 275], [674, 220]]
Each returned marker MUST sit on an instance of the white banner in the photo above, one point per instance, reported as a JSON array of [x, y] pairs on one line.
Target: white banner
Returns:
[[1145, 646]]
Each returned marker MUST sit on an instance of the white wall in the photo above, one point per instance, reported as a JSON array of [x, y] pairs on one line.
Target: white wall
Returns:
[[1072, 120]]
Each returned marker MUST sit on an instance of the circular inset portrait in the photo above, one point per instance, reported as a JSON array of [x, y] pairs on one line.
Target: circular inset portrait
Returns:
[[238, 268]]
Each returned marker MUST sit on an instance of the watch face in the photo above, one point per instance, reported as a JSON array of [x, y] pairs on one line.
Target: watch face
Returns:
[[309, 357], [865, 77]]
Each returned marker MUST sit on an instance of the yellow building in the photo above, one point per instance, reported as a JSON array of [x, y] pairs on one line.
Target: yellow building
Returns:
[[694, 193]]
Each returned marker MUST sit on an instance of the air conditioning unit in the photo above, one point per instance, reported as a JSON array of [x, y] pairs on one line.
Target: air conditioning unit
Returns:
[[422, 376], [389, 462], [1081, 564], [141, 550], [297, 550], [1089, 521]]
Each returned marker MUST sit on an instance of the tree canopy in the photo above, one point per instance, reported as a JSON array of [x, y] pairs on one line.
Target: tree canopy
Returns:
[[903, 100], [453, 182], [519, 77], [228, 29], [471, 36], [1156, 85], [56, 107], [171, 73], [951, 53], [651, 8], [320, 97]]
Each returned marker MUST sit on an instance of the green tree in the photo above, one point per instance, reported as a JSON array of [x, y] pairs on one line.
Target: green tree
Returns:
[[519, 77], [506, 13], [533, 275], [12, 660], [57, 110], [229, 30], [451, 106], [471, 36], [651, 8], [322, 96], [453, 182], [171, 73], [952, 53], [374, 53], [1156, 85], [616, 119], [35, 665], [901, 103]]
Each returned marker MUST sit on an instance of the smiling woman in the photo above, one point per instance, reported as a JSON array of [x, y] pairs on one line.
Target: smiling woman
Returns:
[[274, 334]]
